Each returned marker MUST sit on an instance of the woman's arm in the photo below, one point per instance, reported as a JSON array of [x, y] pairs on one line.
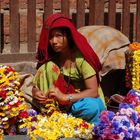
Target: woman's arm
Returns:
[[91, 89]]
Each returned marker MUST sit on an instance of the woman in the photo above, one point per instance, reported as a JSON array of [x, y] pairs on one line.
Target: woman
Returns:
[[68, 70]]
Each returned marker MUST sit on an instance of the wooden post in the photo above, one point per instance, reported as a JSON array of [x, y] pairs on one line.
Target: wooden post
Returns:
[[80, 16], [31, 25], [14, 26], [138, 22], [48, 8], [65, 7], [112, 13], [126, 18]]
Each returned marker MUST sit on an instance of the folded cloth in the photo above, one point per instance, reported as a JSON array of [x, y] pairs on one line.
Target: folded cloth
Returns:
[[26, 86], [109, 44]]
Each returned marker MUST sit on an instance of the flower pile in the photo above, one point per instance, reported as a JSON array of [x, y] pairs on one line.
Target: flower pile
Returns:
[[132, 77], [51, 124], [13, 113], [60, 125], [123, 125]]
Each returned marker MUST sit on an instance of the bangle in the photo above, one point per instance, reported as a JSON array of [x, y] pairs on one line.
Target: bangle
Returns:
[[70, 98]]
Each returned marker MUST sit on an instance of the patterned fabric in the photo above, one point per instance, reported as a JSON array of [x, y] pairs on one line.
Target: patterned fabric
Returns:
[[49, 72], [109, 44]]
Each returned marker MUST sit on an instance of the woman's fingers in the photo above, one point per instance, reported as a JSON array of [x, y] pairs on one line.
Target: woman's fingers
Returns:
[[43, 102], [52, 94], [40, 96]]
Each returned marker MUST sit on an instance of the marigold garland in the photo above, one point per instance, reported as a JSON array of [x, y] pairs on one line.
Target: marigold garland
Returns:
[[132, 76]]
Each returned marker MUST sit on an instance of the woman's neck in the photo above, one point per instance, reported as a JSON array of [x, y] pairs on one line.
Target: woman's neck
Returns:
[[65, 56], [65, 59]]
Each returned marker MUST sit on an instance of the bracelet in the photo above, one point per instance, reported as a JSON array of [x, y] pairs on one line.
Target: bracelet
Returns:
[[70, 98]]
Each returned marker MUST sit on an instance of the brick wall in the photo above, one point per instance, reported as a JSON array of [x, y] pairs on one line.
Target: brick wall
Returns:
[[40, 8]]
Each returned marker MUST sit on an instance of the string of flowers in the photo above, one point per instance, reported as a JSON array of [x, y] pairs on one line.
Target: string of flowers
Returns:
[[132, 76], [13, 112]]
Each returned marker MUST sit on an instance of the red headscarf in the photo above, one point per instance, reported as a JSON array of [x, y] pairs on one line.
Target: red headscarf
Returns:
[[59, 20]]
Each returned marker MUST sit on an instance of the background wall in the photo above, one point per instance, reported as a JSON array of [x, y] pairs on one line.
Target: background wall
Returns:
[[4, 7]]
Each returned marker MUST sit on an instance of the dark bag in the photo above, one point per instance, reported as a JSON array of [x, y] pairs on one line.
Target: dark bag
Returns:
[[114, 101]]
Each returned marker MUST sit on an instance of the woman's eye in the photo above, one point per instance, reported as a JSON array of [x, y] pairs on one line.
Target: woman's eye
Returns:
[[59, 35]]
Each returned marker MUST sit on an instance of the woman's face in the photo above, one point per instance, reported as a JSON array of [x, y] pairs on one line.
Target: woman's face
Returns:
[[58, 40]]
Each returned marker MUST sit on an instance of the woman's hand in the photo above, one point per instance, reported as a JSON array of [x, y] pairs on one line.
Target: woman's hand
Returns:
[[55, 92], [40, 96]]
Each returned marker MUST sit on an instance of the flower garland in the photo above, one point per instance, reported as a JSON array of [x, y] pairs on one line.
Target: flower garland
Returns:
[[13, 113], [132, 77], [134, 46]]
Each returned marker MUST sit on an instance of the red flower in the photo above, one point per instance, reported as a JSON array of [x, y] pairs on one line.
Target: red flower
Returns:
[[10, 69], [3, 94], [84, 124], [23, 114]]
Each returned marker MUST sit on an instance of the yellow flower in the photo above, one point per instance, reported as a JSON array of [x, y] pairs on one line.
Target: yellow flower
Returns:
[[137, 108]]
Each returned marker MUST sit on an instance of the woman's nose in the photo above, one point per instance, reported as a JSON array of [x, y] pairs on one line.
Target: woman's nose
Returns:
[[54, 40]]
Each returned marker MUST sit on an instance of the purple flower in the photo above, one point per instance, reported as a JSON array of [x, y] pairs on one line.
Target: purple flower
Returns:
[[134, 117], [106, 116], [32, 128], [32, 112], [33, 119], [125, 105], [136, 134], [123, 125], [129, 133], [1, 126], [23, 131]]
